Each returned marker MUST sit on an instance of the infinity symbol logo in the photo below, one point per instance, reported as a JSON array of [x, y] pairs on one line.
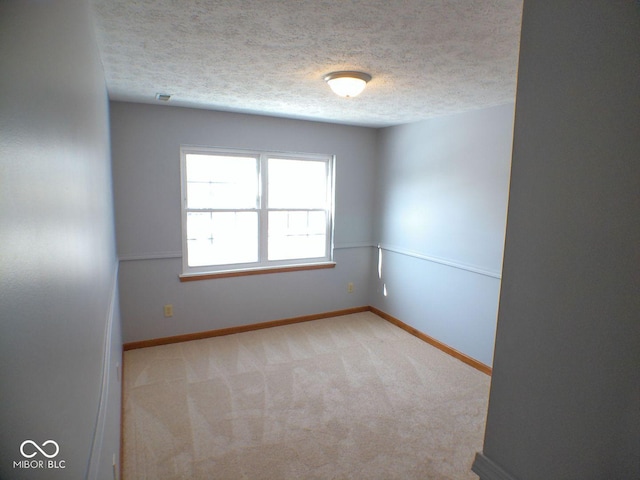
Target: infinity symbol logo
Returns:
[[57, 449]]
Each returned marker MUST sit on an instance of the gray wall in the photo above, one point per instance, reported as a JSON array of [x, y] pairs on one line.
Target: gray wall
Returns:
[[441, 209], [59, 312], [433, 194], [146, 169], [565, 395]]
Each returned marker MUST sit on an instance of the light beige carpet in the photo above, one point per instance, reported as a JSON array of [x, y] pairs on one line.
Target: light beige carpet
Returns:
[[351, 397]]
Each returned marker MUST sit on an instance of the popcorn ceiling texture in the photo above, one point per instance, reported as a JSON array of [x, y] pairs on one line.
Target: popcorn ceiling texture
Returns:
[[427, 58]]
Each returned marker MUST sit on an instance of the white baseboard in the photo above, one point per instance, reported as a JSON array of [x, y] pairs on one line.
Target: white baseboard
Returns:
[[487, 470]]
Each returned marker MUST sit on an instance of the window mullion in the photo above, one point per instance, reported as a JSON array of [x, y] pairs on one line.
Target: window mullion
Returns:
[[263, 230], [330, 205]]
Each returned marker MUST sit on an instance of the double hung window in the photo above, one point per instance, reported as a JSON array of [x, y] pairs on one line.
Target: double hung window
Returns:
[[246, 210]]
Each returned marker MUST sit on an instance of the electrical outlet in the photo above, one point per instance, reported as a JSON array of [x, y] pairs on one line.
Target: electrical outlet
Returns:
[[350, 287], [168, 311]]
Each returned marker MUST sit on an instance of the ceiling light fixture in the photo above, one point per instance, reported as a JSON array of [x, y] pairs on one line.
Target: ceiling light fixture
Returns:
[[347, 84]]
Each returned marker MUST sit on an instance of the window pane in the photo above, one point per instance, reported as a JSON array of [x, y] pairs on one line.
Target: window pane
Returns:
[[222, 238], [297, 235], [297, 183], [216, 181]]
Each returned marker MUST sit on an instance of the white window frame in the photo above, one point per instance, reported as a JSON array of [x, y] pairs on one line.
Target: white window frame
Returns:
[[263, 210]]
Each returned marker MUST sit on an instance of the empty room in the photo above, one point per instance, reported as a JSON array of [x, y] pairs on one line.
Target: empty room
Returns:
[[319, 239]]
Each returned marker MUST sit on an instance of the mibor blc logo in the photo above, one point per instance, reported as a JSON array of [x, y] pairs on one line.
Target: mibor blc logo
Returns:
[[33, 453]]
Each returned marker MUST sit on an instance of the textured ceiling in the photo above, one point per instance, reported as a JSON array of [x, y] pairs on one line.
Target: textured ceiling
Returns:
[[427, 57]]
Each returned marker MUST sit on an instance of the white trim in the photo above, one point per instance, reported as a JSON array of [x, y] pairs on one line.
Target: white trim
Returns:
[[344, 246], [442, 261], [132, 257], [93, 469], [486, 469], [266, 269], [262, 208]]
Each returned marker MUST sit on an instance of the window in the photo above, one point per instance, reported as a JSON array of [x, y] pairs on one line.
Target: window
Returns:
[[244, 210]]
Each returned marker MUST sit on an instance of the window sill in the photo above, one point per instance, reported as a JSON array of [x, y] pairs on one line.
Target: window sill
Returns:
[[193, 277]]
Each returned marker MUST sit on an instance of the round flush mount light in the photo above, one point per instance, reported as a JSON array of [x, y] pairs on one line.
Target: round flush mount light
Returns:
[[347, 83]]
